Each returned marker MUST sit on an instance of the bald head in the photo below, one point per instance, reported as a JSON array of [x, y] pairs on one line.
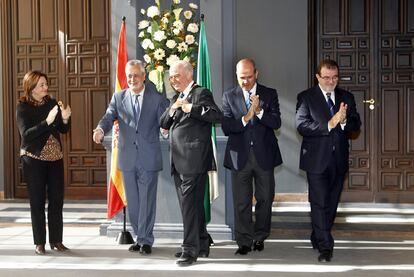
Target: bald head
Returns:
[[246, 73]]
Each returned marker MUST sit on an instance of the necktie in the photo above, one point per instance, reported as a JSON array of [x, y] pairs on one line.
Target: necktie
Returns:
[[330, 103], [137, 108], [247, 100]]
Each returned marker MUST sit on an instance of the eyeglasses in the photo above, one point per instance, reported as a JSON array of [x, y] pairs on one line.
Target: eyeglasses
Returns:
[[327, 78]]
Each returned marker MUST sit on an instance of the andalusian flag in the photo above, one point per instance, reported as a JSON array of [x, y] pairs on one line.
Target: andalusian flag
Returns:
[[116, 192], [204, 80]]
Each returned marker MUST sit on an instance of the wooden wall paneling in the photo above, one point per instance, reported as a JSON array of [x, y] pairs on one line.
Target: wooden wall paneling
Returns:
[[343, 34], [69, 40], [396, 158]]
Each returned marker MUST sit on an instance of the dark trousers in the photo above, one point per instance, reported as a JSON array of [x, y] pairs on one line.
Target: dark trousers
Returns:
[[190, 192], [264, 189], [324, 193], [43, 178]]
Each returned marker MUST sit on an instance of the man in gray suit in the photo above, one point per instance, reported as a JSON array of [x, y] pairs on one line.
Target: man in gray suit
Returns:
[[138, 110]]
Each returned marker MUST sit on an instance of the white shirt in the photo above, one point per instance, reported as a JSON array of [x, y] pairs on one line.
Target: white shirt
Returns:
[[246, 98], [333, 100]]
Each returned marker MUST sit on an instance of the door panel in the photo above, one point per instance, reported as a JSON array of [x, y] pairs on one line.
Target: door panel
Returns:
[[69, 40], [376, 62]]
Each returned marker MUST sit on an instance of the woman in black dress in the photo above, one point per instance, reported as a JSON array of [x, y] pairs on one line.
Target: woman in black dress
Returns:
[[40, 121]]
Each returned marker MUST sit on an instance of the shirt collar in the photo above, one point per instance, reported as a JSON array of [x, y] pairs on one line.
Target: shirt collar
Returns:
[[140, 93], [252, 90], [188, 89], [325, 92]]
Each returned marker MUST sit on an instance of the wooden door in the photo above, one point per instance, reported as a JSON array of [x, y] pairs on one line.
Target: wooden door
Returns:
[[372, 41], [69, 40]]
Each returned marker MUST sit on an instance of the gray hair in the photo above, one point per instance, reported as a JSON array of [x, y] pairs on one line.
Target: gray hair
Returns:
[[185, 64], [136, 63]]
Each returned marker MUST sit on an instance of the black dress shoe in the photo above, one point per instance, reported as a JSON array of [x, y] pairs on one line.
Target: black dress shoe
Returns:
[[201, 254], [40, 249], [135, 247], [186, 260], [243, 250], [58, 246], [325, 256], [145, 249], [258, 245]]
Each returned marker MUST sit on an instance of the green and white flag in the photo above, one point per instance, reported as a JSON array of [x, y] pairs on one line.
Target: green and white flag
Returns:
[[204, 80]]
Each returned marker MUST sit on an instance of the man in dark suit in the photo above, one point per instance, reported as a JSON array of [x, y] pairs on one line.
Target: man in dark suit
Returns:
[[325, 115], [138, 110], [189, 119], [251, 114]]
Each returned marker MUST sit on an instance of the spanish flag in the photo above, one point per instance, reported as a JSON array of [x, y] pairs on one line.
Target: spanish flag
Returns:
[[116, 191]]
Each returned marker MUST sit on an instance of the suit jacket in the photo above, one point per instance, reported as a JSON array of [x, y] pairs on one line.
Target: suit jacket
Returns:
[[261, 132], [34, 131], [312, 116], [137, 139], [191, 150]]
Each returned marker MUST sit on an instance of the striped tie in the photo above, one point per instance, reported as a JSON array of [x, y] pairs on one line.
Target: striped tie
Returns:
[[330, 103]]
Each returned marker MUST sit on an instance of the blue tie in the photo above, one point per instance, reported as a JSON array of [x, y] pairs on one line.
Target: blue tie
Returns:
[[247, 101], [330, 103], [137, 109]]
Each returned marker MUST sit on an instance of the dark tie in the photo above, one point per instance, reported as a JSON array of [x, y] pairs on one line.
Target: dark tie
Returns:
[[137, 108], [247, 101], [330, 103]]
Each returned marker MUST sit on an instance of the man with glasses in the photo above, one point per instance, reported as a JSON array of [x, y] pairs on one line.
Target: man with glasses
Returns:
[[325, 115]]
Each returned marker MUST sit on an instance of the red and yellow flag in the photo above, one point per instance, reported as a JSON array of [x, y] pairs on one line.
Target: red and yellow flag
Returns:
[[116, 191]]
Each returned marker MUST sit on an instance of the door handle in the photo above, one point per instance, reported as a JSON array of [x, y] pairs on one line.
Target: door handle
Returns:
[[370, 102]]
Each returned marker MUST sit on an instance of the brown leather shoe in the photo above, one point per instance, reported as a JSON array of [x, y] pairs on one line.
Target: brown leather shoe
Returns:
[[40, 249], [58, 246]]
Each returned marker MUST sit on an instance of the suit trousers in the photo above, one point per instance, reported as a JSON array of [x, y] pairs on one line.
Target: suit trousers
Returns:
[[141, 194], [324, 193], [264, 189], [190, 191], [45, 178]]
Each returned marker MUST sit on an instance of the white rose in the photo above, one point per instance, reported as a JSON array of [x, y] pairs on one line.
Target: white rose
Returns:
[[159, 54], [143, 24], [176, 31], [192, 27], [189, 39], [182, 47], [193, 6], [153, 11], [171, 43], [146, 43], [147, 58], [177, 2], [141, 34], [172, 59], [178, 24], [188, 14], [159, 35]]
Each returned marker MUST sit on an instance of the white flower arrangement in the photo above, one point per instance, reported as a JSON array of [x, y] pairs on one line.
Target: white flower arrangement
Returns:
[[167, 36]]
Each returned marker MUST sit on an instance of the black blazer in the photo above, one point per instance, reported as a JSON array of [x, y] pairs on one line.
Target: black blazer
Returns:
[[191, 150], [312, 116], [261, 132], [33, 129]]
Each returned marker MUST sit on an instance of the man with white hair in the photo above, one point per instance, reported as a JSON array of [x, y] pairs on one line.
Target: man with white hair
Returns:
[[189, 118]]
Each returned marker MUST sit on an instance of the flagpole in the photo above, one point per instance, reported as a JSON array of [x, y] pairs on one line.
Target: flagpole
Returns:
[[125, 236]]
